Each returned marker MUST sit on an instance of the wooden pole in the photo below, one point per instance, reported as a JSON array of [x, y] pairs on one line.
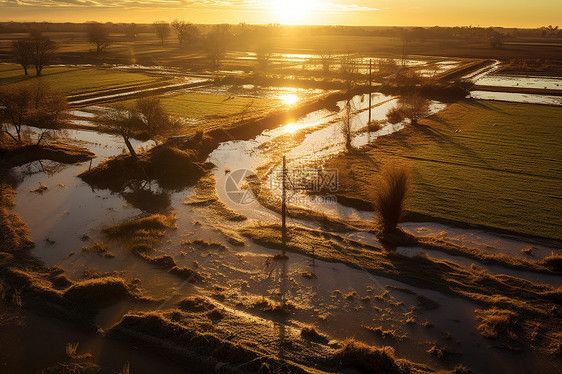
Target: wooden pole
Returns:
[[284, 208], [370, 86]]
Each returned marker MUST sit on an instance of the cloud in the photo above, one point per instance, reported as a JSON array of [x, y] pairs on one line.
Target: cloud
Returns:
[[259, 5]]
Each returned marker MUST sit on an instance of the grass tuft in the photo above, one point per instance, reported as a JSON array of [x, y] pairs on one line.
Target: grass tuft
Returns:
[[497, 323], [391, 191], [368, 359]]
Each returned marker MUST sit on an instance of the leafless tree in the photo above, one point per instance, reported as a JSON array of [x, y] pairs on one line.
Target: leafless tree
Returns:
[[216, 42], [123, 122], [264, 52], [411, 106], [156, 122], [162, 30], [346, 125], [186, 32], [22, 53], [349, 71], [98, 34], [147, 119], [42, 52], [327, 59], [31, 105]]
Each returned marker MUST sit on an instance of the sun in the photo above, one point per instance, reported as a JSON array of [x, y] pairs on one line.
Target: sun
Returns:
[[292, 12]]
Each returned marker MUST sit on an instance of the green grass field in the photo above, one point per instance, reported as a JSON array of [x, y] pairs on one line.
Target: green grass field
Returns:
[[206, 105], [488, 163], [74, 80]]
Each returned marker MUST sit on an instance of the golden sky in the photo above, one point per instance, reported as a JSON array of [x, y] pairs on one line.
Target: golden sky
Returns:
[[508, 13]]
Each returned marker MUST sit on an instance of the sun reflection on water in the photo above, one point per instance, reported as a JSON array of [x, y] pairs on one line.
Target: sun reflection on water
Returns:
[[289, 99], [291, 128]]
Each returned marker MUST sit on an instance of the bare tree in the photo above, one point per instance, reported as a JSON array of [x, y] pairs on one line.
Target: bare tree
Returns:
[[147, 119], [264, 52], [156, 122], [162, 30], [42, 52], [98, 34], [22, 53], [216, 42], [412, 106], [346, 125], [186, 32], [123, 122], [327, 59], [32, 105], [349, 71]]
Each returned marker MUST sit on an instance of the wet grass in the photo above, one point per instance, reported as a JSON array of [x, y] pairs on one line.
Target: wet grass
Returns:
[[14, 234], [476, 162], [98, 291], [72, 80], [211, 105], [156, 223]]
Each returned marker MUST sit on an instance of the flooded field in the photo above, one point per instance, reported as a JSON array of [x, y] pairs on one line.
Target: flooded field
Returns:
[[70, 215], [205, 247]]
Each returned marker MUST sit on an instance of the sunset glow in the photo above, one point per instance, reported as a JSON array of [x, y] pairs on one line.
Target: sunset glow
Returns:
[[505, 13]]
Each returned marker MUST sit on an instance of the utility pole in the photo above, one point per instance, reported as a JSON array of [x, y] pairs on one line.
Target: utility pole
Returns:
[[284, 208], [370, 86]]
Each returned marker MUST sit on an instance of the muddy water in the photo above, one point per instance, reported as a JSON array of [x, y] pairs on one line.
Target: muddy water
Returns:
[[70, 209]]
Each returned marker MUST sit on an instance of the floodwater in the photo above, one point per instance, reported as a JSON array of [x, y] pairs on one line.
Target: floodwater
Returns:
[[500, 80], [486, 77], [70, 214], [517, 97]]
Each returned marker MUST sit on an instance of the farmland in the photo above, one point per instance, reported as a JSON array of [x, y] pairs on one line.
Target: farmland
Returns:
[[476, 162], [168, 210], [76, 79]]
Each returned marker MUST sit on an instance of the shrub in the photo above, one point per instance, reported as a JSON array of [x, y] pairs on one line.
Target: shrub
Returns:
[[496, 323], [390, 194], [99, 291], [370, 359]]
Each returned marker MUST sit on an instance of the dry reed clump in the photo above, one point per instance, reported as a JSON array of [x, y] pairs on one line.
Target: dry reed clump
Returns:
[[150, 225], [98, 291], [198, 304], [553, 262], [441, 352], [195, 304], [497, 323], [354, 354], [390, 334], [269, 306], [14, 234], [310, 333], [206, 244], [461, 369], [99, 248], [391, 191]]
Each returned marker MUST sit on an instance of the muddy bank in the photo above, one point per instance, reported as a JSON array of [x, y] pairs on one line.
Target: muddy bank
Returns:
[[173, 168], [534, 304], [219, 338], [66, 154]]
